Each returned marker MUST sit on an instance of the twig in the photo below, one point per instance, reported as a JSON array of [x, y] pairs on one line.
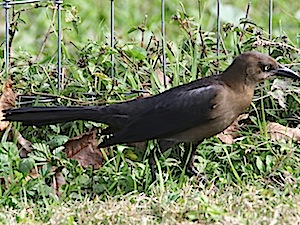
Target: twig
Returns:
[[265, 43], [46, 36], [14, 23], [246, 17], [203, 52], [142, 29], [66, 98]]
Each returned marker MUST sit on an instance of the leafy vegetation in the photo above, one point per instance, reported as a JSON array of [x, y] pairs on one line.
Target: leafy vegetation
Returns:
[[254, 180]]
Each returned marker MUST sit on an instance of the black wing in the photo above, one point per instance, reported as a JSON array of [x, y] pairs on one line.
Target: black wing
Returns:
[[168, 114]]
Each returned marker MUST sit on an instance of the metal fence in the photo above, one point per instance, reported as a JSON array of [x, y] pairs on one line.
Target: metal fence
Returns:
[[6, 4]]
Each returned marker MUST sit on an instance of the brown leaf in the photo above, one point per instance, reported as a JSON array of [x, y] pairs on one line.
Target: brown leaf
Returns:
[[230, 133], [279, 132], [35, 174], [84, 149], [146, 95], [58, 178], [24, 143], [160, 76], [58, 181], [7, 100]]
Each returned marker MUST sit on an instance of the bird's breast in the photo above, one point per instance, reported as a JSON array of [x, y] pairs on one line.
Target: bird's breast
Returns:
[[226, 107], [209, 128]]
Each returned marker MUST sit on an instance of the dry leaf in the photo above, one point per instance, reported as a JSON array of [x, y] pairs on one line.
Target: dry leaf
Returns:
[[160, 76], [7, 100], [279, 132], [230, 133], [280, 96], [58, 181], [33, 174], [84, 149], [146, 95], [25, 144]]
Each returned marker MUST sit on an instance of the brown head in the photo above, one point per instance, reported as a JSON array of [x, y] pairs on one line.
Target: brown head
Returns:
[[251, 68]]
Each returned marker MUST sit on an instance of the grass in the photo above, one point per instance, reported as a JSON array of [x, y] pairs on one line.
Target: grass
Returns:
[[253, 181], [250, 204]]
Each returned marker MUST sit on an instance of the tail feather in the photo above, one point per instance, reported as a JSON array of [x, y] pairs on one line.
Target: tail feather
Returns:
[[50, 115]]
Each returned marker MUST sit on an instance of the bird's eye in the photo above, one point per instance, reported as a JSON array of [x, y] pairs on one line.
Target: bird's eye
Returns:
[[266, 68]]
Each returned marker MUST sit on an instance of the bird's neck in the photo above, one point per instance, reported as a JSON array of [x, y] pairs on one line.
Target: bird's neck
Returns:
[[235, 78], [241, 90]]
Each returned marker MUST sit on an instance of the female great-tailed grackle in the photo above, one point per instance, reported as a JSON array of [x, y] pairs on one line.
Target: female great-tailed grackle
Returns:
[[187, 113]]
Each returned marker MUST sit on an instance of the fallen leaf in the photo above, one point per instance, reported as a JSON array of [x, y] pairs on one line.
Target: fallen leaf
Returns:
[[280, 96], [58, 178], [280, 84], [33, 174], [146, 95], [58, 181], [27, 145], [229, 135], [160, 75], [7, 100], [279, 132], [84, 149]]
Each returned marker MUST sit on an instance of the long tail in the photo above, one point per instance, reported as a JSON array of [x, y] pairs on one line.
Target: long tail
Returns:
[[50, 115]]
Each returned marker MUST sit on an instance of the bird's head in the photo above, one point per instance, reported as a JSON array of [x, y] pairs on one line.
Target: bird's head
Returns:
[[254, 67]]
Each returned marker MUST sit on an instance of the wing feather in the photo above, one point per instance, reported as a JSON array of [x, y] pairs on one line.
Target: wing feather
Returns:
[[170, 113]]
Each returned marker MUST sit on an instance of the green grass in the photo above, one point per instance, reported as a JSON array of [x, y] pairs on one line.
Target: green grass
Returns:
[[253, 181]]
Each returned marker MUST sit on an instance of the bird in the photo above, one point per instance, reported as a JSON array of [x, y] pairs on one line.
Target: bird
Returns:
[[187, 114]]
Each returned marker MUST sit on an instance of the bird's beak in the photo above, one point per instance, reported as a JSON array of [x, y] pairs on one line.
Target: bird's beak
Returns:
[[286, 72]]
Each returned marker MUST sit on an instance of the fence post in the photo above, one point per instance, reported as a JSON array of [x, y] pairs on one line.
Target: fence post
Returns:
[[270, 22], [59, 70], [218, 30], [163, 40], [112, 35], [6, 6]]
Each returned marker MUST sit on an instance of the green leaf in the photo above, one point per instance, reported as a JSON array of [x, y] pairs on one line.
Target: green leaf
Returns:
[[138, 52], [26, 165], [40, 147], [193, 215], [269, 162], [132, 29], [131, 155], [57, 140], [260, 164], [55, 128], [12, 149]]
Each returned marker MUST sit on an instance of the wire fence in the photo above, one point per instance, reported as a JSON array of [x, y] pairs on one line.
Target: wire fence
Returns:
[[7, 4]]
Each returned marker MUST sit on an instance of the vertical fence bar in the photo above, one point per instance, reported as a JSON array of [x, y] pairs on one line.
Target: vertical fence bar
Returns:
[[270, 22], [218, 29], [6, 6], [112, 36], [59, 35], [163, 31]]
